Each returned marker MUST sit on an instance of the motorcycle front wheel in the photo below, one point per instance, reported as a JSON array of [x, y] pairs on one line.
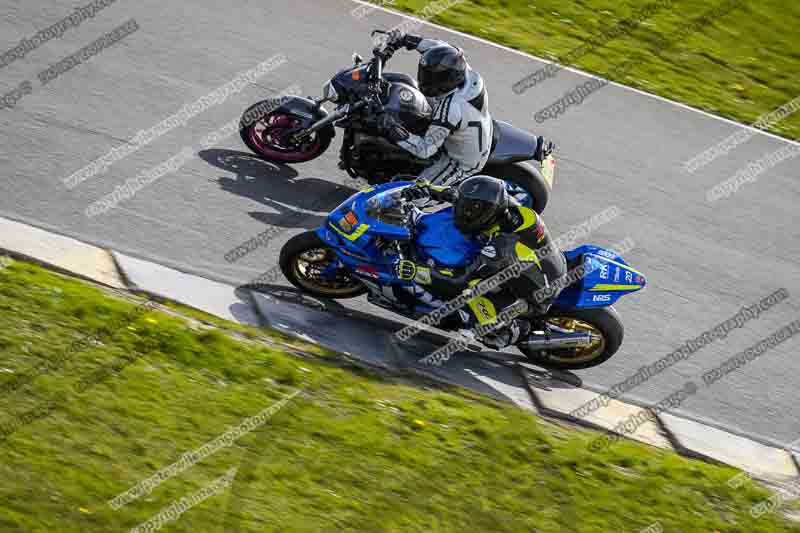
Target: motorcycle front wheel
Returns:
[[605, 325], [268, 136], [309, 264]]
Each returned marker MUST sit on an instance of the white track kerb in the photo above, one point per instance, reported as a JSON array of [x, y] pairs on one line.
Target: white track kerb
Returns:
[[768, 461]]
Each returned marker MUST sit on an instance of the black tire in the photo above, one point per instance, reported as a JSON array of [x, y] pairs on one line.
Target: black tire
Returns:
[[250, 116], [604, 319], [253, 115], [525, 175], [304, 242]]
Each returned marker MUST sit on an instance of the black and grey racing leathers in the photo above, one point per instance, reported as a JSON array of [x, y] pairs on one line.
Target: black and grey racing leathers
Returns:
[[460, 136]]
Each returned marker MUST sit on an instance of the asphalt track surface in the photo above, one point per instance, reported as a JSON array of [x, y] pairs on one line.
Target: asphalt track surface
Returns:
[[620, 147]]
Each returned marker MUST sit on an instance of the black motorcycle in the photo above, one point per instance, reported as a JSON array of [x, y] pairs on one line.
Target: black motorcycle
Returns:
[[296, 129]]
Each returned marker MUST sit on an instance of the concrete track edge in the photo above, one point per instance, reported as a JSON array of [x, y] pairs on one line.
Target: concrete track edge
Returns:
[[486, 375]]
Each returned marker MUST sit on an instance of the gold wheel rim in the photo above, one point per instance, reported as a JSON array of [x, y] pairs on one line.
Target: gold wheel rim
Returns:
[[580, 354], [306, 261]]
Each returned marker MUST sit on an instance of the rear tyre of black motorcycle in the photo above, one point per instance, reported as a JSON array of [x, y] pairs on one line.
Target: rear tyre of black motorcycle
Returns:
[[603, 321], [526, 176], [308, 248]]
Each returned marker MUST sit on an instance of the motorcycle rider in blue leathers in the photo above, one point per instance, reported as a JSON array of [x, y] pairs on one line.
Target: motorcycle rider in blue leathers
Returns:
[[509, 233]]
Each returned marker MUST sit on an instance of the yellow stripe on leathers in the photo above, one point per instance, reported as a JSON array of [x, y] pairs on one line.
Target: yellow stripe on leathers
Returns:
[[526, 254], [482, 307], [529, 218], [491, 231], [484, 310]]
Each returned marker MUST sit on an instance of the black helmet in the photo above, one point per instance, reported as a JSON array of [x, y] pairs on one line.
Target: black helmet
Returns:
[[441, 69], [481, 202]]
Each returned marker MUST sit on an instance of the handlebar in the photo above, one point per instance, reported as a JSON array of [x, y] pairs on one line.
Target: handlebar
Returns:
[[378, 63], [381, 54], [333, 117]]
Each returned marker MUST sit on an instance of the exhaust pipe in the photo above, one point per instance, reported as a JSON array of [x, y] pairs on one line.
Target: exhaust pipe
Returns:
[[560, 340]]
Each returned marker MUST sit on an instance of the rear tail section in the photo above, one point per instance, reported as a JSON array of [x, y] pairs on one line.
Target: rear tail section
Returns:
[[602, 278]]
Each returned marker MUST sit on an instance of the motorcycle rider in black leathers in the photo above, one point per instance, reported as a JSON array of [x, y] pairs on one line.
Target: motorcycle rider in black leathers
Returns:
[[509, 233], [459, 138]]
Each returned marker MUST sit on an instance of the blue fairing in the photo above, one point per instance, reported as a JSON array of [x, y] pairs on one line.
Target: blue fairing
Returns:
[[607, 277], [357, 227]]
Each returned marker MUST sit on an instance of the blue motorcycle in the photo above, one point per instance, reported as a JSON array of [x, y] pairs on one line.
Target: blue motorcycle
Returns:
[[355, 251]]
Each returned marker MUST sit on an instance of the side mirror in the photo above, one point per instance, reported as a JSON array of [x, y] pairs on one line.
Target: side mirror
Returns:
[[357, 59]]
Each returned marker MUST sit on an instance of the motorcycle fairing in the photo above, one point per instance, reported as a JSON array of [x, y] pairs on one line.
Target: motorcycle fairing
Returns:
[[438, 239], [355, 244], [607, 278], [304, 109]]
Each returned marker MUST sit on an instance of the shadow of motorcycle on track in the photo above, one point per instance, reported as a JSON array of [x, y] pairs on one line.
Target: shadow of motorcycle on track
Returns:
[[300, 203]]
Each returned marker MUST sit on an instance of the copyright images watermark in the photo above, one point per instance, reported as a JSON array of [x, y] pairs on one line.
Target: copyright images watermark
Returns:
[[189, 459], [686, 350], [751, 172], [578, 94], [363, 10], [53, 31], [180, 118], [622, 28], [174, 511], [724, 147], [133, 185]]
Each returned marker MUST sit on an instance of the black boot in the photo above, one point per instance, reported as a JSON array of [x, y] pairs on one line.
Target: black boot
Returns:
[[517, 329]]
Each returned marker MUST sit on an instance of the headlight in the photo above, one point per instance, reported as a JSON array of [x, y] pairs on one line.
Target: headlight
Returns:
[[329, 93]]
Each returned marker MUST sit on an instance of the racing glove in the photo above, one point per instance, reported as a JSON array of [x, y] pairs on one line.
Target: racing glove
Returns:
[[390, 128], [397, 39], [423, 189], [405, 269], [420, 190]]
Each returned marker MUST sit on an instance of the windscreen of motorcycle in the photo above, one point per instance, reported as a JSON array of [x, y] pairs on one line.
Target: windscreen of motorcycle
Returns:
[[387, 207], [352, 84]]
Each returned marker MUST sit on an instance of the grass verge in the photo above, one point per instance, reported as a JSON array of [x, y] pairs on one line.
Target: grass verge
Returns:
[[742, 65], [355, 451]]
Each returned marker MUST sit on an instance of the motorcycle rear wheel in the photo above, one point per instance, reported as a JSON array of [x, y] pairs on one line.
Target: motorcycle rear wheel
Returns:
[[525, 176], [604, 322], [301, 260]]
